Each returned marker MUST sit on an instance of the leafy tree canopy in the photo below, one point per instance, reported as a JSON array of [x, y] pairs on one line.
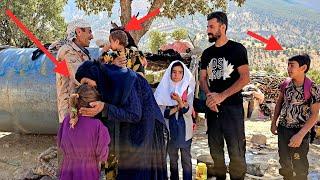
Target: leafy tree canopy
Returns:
[[42, 17], [171, 9]]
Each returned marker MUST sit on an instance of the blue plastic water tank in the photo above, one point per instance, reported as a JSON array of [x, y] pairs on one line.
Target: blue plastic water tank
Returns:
[[28, 92]]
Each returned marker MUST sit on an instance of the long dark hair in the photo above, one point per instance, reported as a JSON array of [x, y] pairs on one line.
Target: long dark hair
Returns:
[[82, 97]]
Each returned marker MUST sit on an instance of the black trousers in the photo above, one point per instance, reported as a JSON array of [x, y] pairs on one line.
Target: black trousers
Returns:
[[185, 162], [292, 159], [228, 125]]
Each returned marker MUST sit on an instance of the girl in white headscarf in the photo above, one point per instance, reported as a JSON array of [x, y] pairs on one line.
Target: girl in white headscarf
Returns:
[[175, 95]]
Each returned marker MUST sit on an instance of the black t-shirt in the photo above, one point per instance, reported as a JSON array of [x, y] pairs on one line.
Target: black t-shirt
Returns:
[[222, 65]]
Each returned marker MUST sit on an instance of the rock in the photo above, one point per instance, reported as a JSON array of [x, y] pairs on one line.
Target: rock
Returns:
[[254, 169], [314, 175], [273, 161], [6, 145], [26, 174], [47, 164], [207, 159], [259, 139], [318, 131], [47, 155], [46, 178], [268, 84]]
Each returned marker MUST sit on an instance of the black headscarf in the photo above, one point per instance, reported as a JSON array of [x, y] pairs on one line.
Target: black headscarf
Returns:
[[113, 83]]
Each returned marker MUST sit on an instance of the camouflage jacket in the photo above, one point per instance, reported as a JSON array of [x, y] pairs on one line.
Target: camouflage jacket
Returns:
[[74, 56]]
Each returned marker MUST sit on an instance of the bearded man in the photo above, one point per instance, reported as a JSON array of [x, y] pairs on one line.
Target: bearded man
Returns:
[[224, 72]]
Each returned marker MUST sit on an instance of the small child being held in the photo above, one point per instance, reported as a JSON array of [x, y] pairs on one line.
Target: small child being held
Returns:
[[118, 42]]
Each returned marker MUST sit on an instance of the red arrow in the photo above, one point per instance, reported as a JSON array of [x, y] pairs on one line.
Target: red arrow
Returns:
[[272, 43], [61, 67], [135, 24]]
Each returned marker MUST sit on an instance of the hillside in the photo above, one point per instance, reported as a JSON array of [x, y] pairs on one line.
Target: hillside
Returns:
[[294, 22], [291, 22]]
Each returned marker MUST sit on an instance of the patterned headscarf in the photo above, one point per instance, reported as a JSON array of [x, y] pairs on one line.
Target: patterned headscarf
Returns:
[[73, 25]]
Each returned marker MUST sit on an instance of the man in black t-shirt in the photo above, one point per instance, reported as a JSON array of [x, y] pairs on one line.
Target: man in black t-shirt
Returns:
[[224, 72]]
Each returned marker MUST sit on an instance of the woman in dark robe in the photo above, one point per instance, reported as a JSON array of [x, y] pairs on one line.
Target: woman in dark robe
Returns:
[[128, 99]]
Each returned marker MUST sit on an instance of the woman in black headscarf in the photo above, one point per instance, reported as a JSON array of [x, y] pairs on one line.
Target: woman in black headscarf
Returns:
[[128, 99]]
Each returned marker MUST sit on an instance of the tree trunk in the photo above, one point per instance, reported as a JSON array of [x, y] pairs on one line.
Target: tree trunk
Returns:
[[126, 16], [125, 6]]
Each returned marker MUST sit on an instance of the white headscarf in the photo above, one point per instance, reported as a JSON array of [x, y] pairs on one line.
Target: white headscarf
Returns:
[[73, 25], [166, 86]]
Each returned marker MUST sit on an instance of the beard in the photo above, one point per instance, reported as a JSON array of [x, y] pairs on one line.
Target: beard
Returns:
[[213, 37]]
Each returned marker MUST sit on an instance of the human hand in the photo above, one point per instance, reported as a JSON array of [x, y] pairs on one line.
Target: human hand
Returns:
[[120, 61], [175, 97], [217, 98], [273, 128], [144, 62], [194, 127], [106, 48], [296, 140], [211, 105], [97, 107], [88, 81]]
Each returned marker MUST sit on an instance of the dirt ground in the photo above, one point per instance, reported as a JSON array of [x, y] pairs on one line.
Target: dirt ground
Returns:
[[18, 153], [266, 157]]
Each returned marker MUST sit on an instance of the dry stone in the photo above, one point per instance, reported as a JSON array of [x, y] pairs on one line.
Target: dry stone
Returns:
[[259, 139]]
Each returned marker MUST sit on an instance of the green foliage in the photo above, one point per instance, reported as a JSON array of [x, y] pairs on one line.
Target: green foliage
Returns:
[[284, 74], [314, 75], [95, 6], [42, 17], [3, 3], [255, 68], [172, 8], [179, 34], [156, 40], [270, 69]]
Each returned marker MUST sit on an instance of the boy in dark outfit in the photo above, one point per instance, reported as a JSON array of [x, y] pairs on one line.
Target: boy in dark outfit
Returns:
[[297, 108]]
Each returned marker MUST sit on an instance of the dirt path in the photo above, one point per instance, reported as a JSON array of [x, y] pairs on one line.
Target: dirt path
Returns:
[[19, 152], [264, 156]]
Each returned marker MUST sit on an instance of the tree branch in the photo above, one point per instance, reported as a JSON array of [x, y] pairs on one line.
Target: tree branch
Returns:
[[138, 34], [126, 11]]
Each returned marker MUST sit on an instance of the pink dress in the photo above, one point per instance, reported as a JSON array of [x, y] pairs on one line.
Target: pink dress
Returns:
[[83, 147]]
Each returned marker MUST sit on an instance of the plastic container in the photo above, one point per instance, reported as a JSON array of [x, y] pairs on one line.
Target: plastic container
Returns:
[[28, 92], [201, 171]]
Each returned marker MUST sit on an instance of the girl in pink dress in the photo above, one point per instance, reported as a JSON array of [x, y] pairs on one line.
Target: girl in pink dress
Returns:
[[83, 140]]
